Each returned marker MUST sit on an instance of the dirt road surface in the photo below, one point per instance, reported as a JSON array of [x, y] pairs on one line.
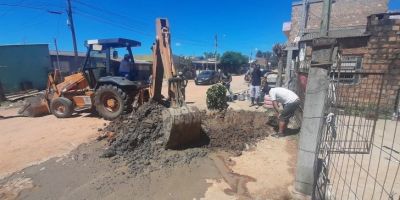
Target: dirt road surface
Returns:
[[263, 171], [26, 141]]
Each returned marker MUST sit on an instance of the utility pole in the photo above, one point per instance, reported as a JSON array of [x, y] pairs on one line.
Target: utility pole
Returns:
[[251, 57], [216, 49], [57, 55], [323, 55], [71, 25]]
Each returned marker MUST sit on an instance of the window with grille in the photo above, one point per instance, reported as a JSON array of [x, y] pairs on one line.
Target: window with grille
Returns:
[[347, 72]]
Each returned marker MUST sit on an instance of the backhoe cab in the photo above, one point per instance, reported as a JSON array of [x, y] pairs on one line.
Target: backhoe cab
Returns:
[[114, 92], [102, 61]]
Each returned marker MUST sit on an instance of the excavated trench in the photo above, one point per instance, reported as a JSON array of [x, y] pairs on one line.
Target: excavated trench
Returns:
[[138, 140]]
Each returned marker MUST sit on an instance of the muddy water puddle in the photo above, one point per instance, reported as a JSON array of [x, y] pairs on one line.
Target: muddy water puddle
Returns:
[[237, 182]]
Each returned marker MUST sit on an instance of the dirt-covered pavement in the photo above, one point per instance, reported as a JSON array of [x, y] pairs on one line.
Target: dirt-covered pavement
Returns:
[[239, 160]]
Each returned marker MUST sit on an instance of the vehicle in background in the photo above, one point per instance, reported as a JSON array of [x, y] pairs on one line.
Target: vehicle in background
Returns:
[[272, 78], [264, 71], [207, 77]]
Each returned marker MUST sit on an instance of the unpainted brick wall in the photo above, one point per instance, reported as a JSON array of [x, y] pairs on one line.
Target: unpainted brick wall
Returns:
[[345, 13], [382, 56]]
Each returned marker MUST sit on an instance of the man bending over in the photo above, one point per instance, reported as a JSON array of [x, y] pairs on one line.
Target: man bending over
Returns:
[[290, 102]]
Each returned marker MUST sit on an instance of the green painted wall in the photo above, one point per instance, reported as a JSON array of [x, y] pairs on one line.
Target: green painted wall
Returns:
[[24, 63]]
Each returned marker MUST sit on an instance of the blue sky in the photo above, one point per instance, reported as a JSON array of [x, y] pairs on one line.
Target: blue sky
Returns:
[[241, 25]]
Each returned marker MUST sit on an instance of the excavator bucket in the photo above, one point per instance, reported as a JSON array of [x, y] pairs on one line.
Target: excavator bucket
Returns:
[[181, 126], [181, 123], [35, 106]]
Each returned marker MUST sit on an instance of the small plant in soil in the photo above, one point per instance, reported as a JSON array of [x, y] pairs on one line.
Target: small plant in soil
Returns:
[[216, 97]]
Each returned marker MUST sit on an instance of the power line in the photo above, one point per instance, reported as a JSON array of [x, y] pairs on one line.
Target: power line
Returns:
[[28, 7], [45, 7], [111, 23], [94, 7], [130, 28], [140, 23], [10, 9]]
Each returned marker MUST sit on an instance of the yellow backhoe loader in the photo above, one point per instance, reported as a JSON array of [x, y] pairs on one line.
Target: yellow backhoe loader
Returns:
[[111, 95]]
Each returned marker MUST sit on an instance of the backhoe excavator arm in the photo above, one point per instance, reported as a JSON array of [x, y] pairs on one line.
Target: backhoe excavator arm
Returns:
[[163, 66], [181, 123]]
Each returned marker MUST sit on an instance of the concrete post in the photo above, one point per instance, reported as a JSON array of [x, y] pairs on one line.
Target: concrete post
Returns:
[[280, 71], [288, 76], [313, 116]]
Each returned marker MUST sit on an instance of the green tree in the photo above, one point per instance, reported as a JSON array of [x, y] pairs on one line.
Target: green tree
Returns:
[[183, 63], [259, 54], [267, 55], [278, 50], [233, 61]]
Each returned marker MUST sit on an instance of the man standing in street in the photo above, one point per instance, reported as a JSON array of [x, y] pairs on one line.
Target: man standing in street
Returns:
[[290, 102], [255, 85]]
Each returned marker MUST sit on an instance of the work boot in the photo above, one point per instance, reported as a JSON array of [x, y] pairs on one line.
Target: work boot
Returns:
[[252, 101], [257, 103]]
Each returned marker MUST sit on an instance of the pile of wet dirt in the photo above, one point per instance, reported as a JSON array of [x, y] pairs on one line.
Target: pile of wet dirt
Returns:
[[235, 131], [137, 138], [139, 141]]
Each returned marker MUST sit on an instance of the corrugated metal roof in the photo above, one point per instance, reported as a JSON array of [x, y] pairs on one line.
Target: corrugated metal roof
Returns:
[[66, 53]]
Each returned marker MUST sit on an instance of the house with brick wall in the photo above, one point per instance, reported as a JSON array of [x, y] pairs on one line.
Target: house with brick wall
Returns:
[[348, 23], [380, 66], [368, 38]]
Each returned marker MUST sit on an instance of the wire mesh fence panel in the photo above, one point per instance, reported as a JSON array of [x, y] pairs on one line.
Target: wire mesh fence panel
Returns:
[[359, 148]]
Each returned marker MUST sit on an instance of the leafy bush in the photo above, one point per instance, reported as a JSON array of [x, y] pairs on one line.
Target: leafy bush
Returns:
[[216, 97]]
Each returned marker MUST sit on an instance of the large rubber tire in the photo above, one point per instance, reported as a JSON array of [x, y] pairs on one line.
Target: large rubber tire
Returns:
[[118, 97], [61, 107]]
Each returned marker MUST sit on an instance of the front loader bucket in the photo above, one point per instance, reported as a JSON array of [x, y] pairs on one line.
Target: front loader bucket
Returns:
[[35, 106], [181, 126]]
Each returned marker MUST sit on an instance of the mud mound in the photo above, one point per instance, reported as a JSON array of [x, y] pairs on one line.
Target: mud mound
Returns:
[[138, 139], [140, 142], [235, 131]]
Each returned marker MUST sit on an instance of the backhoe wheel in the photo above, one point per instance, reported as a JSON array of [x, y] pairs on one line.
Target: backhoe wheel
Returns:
[[61, 107], [110, 101]]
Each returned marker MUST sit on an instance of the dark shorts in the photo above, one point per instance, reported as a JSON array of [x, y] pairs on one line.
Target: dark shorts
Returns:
[[289, 110]]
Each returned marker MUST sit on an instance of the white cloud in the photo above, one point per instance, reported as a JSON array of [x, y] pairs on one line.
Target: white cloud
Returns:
[[178, 44]]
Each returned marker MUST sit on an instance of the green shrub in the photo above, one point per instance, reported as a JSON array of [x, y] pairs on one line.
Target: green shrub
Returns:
[[216, 97]]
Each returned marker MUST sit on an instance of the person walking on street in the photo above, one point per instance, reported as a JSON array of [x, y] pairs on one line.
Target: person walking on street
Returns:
[[290, 102], [255, 85], [226, 79]]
